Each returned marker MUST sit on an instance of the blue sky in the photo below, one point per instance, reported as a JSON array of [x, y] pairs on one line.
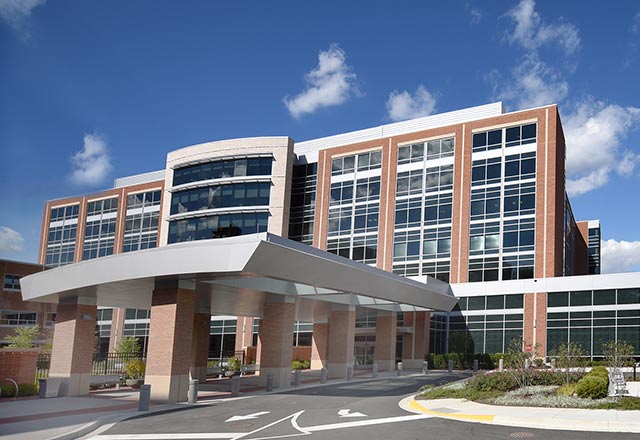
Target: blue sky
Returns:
[[94, 90]]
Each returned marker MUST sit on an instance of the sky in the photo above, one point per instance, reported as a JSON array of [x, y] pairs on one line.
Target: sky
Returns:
[[93, 90]]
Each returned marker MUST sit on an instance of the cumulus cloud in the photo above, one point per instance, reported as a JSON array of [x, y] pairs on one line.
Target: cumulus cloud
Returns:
[[620, 256], [17, 12], [595, 133], [10, 240], [531, 33], [533, 82], [403, 105], [635, 25], [91, 164], [331, 83]]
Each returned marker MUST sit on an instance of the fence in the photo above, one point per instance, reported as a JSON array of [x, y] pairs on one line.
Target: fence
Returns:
[[103, 363]]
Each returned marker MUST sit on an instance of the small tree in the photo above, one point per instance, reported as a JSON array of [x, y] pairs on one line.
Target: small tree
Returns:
[[24, 337], [618, 353], [519, 361], [128, 345], [568, 358]]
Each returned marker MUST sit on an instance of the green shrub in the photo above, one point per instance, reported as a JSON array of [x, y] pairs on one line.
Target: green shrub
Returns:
[[592, 387], [496, 381], [567, 390], [135, 369], [7, 390], [599, 371], [27, 389], [300, 365], [550, 377], [624, 403]]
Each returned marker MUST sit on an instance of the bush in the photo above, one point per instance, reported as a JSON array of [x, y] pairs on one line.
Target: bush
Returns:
[[550, 377], [592, 387], [135, 369], [599, 371], [497, 381], [27, 389], [300, 365], [567, 390], [7, 390]]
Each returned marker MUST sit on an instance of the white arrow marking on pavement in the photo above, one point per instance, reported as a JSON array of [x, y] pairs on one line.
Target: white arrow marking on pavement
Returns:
[[345, 413], [247, 417]]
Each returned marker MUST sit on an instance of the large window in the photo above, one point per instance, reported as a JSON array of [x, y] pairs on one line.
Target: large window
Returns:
[[100, 230], [217, 226], [221, 196], [11, 282], [14, 318], [303, 202], [255, 166], [61, 240], [512, 136], [141, 223]]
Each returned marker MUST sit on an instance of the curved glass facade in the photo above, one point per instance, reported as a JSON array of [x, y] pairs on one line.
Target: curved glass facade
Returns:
[[220, 169], [221, 196], [217, 226]]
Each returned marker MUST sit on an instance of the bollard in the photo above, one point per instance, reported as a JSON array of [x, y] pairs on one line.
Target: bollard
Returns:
[[192, 395], [323, 375], [450, 366], [475, 365], [145, 397], [235, 386], [501, 364], [350, 372], [553, 364], [399, 369], [425, 367], [269, 386], [297, 378], [374, 372], [42, 386]]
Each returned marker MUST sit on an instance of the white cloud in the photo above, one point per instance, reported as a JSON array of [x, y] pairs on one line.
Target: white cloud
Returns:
[[635, 25], [403, 105], [475, 13], [17, 12], [331, 83], [531, 33], [91, 164], [594, 133], [10, 240], [532, 84], [620, 256]]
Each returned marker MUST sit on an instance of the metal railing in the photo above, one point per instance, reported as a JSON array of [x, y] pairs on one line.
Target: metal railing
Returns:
[[103, 363]]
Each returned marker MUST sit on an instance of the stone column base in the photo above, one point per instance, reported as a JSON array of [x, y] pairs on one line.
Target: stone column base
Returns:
[[199, 373], [412, 363], [337, 371], [281, 376], [168, 389], [317, 364], [76, 384], [386, 364]]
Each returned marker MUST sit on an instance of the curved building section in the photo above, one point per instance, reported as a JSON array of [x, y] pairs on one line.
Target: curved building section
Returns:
[[228, 188]]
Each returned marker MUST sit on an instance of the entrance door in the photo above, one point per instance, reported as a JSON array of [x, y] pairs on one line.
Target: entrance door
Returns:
[[364, 349]]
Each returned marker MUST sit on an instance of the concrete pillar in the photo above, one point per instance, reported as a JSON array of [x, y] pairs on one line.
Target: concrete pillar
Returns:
[[73, 345], [342, 327], [414, 355], [169, 352], [319, 345], [200, 346], [275, 334], [386, 331]]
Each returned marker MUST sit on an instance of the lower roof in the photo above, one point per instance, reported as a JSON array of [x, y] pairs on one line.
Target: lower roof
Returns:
[[236, 276]]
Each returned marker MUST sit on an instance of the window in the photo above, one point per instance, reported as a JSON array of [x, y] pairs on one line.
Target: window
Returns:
[[343, 165], [439, 178], [303, 202], [485, 203], [221, 196], [11, 282], [486, 171], [520, 135], [520, 199], [411, 153], [517, 267], [99, 237], [513, 136], [518, 235], [217, 226], [483, 269], [61, 239], [104, 314], [13, 317], [484, 238], [409, 182], [219, 169], [520, 166], [50, 320]]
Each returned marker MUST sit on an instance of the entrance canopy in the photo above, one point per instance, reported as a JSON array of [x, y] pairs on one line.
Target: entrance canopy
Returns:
[[236, 276]]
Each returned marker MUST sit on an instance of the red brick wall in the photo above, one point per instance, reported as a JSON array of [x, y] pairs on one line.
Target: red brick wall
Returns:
[[19, 364]]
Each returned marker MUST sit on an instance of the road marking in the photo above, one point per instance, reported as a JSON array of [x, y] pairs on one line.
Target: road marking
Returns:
[[413, 404], [302, 430], [247, 417], [345, 413]]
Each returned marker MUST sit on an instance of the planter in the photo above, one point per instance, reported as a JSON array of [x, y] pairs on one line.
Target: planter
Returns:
[[231, 373], [133, 383]]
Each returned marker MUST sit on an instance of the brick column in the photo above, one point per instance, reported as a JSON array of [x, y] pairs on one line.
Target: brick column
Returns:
[[244, 333], [386, 331], [169, 352], [200, 346], [275, 336], [419, 340], [319, 345], [73, 345], [342, 328]]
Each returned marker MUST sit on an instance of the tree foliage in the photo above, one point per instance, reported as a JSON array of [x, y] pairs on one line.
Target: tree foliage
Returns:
[[519, 362], [618, 353], [569, 358], [24, 337], [128, 345]]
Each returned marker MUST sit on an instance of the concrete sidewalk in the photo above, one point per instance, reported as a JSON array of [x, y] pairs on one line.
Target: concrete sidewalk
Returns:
[[571, 419]]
